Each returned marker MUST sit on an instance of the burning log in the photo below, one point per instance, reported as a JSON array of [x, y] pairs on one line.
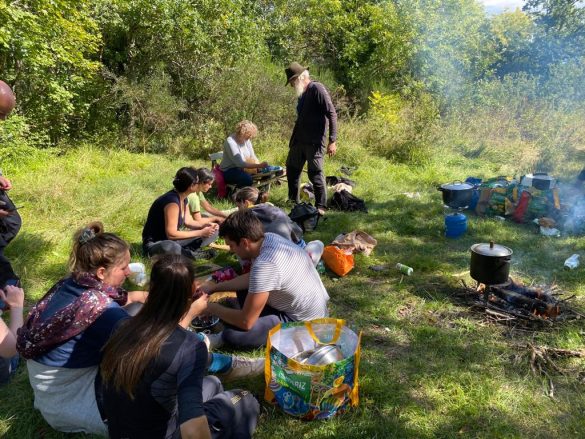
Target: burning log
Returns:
[[520, 306], [530, 300]]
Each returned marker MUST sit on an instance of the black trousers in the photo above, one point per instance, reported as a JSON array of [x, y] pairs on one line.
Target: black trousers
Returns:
[[9, 227], [313, 154]]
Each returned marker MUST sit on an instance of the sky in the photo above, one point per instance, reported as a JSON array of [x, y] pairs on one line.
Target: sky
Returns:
[[496, 6]]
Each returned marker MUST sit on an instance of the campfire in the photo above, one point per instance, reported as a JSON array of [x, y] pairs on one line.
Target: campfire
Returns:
[[525, 305]]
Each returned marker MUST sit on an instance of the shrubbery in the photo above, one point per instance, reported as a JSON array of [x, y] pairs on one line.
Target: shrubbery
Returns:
[[176, 75]]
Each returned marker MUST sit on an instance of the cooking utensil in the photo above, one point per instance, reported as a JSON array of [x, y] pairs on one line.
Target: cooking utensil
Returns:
[[204, 323], [319, 356], [490, 263], [325, 355], [457, 194]]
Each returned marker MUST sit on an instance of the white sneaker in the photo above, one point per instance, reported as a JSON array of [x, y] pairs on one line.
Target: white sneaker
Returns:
[[243, 367], [212, 341]]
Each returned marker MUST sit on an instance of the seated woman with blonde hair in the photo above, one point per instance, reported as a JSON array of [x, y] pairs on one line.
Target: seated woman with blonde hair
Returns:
[[238, 155]]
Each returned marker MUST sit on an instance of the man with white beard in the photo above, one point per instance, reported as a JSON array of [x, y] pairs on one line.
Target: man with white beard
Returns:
[[315, 113]]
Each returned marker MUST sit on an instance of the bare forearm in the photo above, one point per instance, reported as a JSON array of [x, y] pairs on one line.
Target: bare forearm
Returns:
[[212, 210], [16, 319], [234, 317], [137, 296], [183, 234], [236, 284]]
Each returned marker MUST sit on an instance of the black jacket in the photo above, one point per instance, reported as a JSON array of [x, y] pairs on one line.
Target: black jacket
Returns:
[[315, 113]]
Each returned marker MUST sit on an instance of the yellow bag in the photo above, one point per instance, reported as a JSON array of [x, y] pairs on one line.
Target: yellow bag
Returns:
[[312, 391]]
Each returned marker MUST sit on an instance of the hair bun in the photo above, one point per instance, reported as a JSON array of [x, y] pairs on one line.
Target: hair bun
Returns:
[[86, 235]]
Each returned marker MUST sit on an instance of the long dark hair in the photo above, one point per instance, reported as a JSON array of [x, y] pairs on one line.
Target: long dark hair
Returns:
[[204, 175], [138, 340], [184, 178]]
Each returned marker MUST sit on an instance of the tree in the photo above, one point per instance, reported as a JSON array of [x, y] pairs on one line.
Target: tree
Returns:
[[48, 54], [513, 34], [560, 35]]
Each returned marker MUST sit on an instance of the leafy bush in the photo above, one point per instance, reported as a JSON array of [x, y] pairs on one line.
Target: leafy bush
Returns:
[[399, 129]]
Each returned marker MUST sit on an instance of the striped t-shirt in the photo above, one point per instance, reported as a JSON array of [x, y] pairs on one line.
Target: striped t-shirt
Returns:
[[286, 271]]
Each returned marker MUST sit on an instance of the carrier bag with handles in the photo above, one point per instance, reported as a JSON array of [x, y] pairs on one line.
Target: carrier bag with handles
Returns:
[[312, 389], [338, 260]]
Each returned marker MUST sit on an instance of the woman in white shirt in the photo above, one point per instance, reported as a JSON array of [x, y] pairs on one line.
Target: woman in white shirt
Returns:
[[238, 155]]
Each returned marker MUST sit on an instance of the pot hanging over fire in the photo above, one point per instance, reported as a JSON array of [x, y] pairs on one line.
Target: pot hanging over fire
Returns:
[[456, 195], [490, 263]]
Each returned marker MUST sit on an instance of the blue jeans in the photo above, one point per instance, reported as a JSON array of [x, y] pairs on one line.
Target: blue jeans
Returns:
[[237, 176]]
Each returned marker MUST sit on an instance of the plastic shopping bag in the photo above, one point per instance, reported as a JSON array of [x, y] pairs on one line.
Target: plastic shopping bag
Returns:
[[337, 260], [312, 389]]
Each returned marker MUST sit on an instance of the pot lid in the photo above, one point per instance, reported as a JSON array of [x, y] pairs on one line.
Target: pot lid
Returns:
[[541, 176], [491, 249], [456, 186]]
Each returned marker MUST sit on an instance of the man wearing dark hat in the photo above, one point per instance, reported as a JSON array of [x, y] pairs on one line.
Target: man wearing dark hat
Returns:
[[309, 141], [10, 221]]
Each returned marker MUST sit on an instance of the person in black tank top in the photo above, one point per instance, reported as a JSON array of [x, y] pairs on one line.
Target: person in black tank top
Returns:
[[170, 229]]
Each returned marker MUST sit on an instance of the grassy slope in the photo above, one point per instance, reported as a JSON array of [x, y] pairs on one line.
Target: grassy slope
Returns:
[[430, 368]]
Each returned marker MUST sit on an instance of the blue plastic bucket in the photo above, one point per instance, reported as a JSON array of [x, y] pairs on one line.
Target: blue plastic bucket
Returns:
[[455, 225]]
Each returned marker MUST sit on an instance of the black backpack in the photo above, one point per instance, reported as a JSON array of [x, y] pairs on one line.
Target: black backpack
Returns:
[[305, 215], [343, 200]]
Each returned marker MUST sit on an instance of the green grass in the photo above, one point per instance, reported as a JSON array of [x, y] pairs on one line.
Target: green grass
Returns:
[[430, 368]]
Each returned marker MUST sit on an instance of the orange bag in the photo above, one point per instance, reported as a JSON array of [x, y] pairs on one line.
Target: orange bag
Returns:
[[337, 260]]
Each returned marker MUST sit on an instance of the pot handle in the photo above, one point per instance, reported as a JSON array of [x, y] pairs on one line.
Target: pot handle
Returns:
[[543, 174], [439, 188]]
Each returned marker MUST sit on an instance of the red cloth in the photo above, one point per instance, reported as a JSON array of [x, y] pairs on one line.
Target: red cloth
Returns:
[[219, 182]]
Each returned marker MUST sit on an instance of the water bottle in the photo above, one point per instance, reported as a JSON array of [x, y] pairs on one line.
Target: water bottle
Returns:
[[138, 273], [404, 269], [572, 262]]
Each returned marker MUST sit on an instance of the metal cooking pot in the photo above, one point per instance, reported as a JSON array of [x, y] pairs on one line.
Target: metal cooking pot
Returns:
[[319, 356], [204, 323], [325, 355], [456, 195], [490, 263]]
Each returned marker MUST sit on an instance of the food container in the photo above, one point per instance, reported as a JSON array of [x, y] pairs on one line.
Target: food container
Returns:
[[325, 355], [490, 263], [456, 195], [539, 180], [204, 323], [319, 356]]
